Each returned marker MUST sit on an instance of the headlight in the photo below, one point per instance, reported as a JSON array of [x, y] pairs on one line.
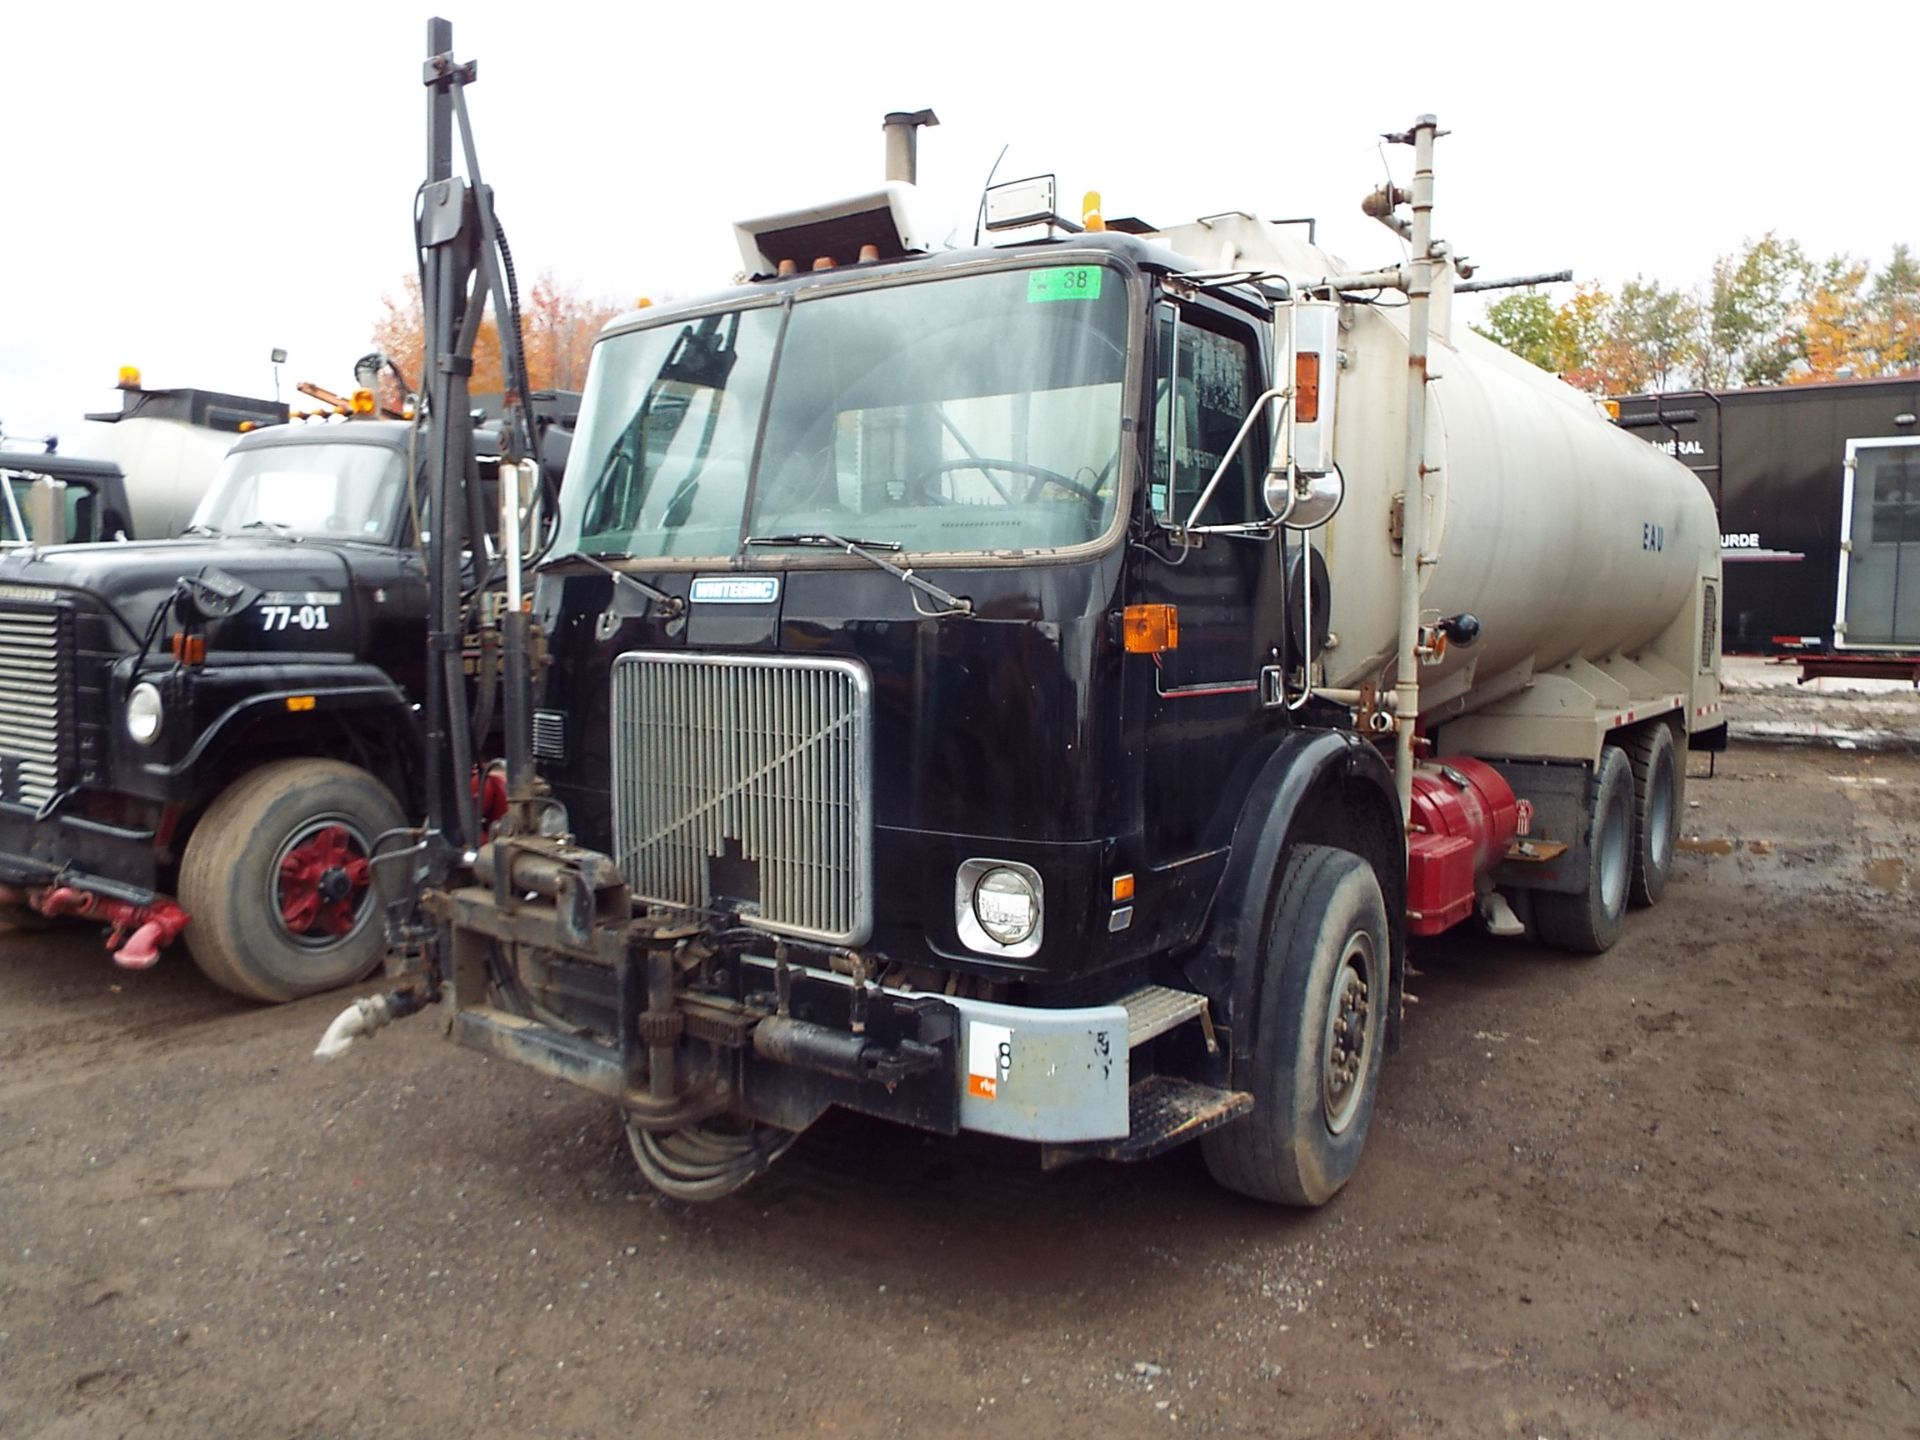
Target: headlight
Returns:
[[143, 713], [997, 907]]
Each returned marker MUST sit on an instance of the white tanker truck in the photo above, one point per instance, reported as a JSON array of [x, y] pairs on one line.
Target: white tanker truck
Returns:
[[1038, 689]]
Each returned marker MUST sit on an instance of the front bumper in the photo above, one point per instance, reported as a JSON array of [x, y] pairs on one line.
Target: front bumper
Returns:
[[112, 859], [935, 1062]]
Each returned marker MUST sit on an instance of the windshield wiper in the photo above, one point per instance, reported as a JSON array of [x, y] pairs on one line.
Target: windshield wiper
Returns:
[[673, 604], [198, 529], [825, 539], [863, 550], [274, 525]]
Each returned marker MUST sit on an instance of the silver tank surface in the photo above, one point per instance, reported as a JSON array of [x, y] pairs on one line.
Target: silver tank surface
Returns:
[[1570, 540]]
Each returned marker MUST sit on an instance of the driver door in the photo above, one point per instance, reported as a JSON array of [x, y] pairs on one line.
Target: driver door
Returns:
[[1206, 700]]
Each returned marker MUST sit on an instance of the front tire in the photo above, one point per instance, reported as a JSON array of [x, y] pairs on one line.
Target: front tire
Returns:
[[1319, 1030], [277, 880], [1590, 920]]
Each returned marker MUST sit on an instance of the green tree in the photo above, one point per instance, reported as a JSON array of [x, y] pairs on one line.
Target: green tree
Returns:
[[1893, 313], [1651, 339], [1523, 322], [1754, 298]]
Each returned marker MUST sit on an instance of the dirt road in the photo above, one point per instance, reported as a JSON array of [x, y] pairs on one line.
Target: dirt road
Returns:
[[1674, 1191]]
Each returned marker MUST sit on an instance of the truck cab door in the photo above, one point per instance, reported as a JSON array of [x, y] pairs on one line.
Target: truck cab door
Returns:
[[1203, 702]]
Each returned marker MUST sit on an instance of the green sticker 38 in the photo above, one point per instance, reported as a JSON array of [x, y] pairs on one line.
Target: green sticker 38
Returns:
[[1068, 282]]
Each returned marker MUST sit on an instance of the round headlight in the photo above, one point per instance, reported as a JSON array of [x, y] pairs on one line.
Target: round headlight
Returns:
[[1005, 904], [143, 713]]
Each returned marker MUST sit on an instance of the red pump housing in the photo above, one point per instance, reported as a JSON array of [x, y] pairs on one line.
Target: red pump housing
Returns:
[[1464, 814]]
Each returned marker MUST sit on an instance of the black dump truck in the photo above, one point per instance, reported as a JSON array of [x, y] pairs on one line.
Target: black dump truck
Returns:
[[205, 736], [936, 709]]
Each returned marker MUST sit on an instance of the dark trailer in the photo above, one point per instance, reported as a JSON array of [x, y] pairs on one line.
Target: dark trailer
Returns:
[[1818, 489]]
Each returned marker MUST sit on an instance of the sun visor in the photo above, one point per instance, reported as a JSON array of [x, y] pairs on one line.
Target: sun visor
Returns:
[[836, 232]]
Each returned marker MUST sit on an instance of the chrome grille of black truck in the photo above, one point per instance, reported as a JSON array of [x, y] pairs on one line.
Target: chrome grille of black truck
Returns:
[[35, 658], [744, 782]]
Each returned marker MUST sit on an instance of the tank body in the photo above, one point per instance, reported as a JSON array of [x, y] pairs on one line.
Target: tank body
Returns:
[[1566, 537]]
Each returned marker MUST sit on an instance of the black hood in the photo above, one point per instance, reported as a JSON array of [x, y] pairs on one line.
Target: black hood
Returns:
[[129, 579]]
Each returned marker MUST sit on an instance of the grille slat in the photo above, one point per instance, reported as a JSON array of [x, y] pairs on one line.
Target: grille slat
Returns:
[[770, 753], [32, 704]]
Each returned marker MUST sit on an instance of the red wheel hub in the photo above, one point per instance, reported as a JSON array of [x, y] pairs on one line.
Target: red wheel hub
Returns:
[[322, 881]]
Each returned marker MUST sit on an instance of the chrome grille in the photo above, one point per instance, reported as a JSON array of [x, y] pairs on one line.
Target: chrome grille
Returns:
[[749, 767], [32, 704]]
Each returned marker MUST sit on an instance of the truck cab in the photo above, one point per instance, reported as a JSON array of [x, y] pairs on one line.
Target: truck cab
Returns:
[[209, 734]]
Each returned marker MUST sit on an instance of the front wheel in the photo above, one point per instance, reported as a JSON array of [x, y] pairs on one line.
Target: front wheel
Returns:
[[1319, 1012], [278, 880]]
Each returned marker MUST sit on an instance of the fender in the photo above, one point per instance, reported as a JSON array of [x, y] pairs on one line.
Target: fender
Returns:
[[363, 692], [1316, 786]]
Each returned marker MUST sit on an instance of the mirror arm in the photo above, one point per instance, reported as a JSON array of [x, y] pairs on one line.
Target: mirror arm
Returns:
[[1254, 411]]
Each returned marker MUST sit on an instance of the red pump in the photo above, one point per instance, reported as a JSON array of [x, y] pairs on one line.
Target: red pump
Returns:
[[1464, 814]]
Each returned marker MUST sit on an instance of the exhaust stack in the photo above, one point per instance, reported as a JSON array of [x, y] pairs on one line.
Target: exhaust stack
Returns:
[[902, 129]]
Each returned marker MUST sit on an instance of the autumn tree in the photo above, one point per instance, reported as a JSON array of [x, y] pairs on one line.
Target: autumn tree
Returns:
[[557, 325]]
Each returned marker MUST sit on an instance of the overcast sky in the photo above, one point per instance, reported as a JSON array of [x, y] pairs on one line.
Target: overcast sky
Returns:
[[188, 187]]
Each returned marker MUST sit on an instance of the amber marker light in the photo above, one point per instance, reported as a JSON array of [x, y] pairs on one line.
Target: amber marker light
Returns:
[[299, 702], [190, 649], [1306, 387], [129, 377], [362, 402], [1122, 889], [1150, 629]]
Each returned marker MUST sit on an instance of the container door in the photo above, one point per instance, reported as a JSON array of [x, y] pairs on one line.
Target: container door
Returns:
[[1879, 603]]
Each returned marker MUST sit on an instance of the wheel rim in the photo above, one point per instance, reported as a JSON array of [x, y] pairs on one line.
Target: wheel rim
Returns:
[[1660, 818], [1615, 831], [1347, 1047], [320, 884]]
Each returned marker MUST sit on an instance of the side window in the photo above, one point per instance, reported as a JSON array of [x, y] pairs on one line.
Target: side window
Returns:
[[1204, 381]]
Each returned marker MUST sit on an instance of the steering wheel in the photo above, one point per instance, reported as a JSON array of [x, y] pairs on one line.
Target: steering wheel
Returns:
[[1042, 476]]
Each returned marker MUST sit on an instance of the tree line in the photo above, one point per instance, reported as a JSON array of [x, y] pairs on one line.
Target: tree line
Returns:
[[1767, 315]]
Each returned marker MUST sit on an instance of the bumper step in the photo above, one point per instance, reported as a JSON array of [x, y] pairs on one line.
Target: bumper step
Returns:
[[1162, 1112], [1155, 1009]]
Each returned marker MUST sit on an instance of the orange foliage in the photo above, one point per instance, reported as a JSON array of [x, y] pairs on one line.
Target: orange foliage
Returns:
[[558, 326]]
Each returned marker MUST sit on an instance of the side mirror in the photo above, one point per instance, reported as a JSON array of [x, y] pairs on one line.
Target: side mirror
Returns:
[[1304, 502]]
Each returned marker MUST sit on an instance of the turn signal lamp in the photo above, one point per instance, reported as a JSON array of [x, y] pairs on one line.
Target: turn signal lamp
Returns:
[[363, 402], [1306, 387], [1612, 407], [190, 649], [1090, 216], [129, 377], [1122, 889], [1150, 629]]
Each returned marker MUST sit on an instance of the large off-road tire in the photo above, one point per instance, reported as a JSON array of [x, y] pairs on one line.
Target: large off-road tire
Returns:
[[1590, 920], [1318, 1032], [1659, 802], [276, 879]]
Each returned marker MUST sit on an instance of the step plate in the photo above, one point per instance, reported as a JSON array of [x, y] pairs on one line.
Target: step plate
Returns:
[[1162, 1112], [1155, 1009]]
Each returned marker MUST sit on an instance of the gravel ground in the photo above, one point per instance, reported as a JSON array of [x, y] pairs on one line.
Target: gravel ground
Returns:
[[1673, 1191]]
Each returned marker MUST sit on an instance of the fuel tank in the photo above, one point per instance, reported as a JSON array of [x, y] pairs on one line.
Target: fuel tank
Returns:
[[1567, 538]]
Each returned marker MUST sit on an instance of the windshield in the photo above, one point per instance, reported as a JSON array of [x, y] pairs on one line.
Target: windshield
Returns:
[[956, 415], [343, 491]]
